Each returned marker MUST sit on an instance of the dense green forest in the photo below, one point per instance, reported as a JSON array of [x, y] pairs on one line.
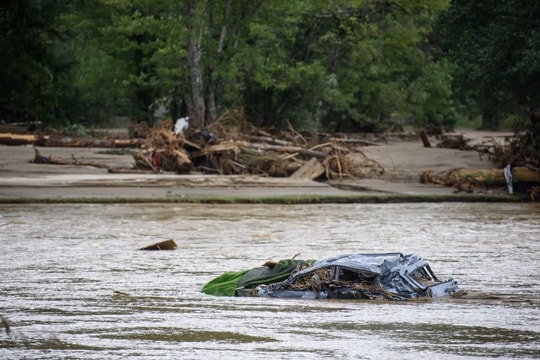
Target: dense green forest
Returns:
[[320, 65]]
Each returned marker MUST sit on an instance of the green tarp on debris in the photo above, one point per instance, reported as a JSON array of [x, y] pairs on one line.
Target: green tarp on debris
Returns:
[[228, 283], [224, 285]]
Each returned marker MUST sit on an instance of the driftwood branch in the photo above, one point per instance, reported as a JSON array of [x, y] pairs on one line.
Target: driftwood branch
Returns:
[[289, 149], [269, 140], [40, 159], [354, 141], [66, 141]]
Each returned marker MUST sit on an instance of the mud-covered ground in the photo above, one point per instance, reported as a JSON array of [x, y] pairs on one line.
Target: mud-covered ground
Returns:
[[403, 160]]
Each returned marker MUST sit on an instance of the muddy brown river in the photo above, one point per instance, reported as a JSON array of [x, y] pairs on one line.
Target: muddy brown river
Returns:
[[74, 286]]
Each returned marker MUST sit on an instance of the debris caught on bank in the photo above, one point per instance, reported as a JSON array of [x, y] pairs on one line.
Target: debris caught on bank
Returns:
[[231, 146], [245, 150], [469, 179], [516, 167]]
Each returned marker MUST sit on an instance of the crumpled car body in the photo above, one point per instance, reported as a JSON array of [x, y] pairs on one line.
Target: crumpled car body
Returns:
[[390, 276]]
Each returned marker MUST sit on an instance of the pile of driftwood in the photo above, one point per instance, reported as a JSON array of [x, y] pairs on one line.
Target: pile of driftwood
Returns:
[[227, 150]]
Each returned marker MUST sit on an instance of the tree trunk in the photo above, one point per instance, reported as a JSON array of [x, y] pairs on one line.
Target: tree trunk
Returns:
[[492, 177], [67, 141], [424, 138], [186, 92], [197, 117], [490, 120], [211, 115], [212, 108], [535, 122]]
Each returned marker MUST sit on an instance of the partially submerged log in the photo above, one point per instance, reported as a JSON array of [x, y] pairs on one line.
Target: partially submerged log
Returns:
[[163, 245]]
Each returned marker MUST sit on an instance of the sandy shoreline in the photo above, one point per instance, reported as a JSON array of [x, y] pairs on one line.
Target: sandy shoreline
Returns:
[[403, 161]]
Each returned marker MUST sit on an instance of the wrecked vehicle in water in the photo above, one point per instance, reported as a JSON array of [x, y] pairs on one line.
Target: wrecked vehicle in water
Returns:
[[391, 276]]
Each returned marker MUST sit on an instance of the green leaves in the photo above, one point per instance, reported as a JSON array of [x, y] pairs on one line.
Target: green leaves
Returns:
[[495, 43], [320, 65]]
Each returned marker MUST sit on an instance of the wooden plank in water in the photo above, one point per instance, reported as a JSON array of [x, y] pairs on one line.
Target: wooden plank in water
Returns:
[[163, 245]]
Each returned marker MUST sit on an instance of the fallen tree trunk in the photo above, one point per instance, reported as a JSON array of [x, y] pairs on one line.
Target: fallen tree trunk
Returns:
[[483, 177], [493, 177], [66, 141], [269, 140], [354, 141], [238, 145], [40, 159], [289, 149]]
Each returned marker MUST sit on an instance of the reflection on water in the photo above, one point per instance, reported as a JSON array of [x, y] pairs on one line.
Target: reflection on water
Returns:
[[74, 285]]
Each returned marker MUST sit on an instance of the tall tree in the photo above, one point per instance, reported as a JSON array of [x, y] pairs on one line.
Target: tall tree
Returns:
[[36, 65], [337, 65], [496, 44], [214, 36], [341, 64]]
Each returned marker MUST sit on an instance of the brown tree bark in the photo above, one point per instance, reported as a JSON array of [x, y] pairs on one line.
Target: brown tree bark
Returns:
[[67, 141], [197, 117], [534, 115], [424, 138], [212, 108], [490, 120], [492, 177]]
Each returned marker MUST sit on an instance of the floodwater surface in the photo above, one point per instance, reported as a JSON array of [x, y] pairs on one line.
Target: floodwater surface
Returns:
[[74, 285]]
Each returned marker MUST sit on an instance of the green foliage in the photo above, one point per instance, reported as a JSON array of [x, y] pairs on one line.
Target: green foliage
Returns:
[[431, 98], [35, 64], [340, 65], [496, 45], [77, 130], [345, 65]]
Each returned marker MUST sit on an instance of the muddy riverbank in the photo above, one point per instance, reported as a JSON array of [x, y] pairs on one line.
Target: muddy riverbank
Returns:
[[403, 160]]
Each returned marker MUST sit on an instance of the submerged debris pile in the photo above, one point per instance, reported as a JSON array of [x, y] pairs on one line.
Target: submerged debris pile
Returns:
[[389, 276], [321, 280]]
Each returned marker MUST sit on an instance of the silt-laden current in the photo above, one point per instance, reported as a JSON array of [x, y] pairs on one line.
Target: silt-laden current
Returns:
[[74, 286]]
